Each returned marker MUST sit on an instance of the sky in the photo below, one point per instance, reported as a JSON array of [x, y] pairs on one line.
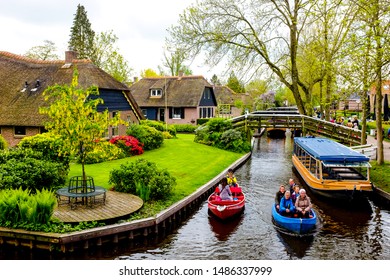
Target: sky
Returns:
[[141, 27]]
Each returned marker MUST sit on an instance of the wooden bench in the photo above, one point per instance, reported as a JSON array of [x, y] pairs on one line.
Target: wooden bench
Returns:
[[84, 193]]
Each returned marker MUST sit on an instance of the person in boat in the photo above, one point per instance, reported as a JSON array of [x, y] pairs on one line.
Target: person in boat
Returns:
[[303, 205], [287, 207], [292, 184], [295, 194], [224, 190], [231, 179], [279, 196]]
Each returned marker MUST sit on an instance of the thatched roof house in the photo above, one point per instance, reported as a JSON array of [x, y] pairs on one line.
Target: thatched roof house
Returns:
[[23, 81], [228, 102], [175, 100]]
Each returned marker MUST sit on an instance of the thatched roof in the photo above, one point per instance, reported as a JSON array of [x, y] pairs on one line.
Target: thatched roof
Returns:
[[182, 91], [226, 95], [21, 108]]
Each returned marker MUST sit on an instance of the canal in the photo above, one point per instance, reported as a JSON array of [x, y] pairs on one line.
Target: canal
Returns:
[[342, 233]]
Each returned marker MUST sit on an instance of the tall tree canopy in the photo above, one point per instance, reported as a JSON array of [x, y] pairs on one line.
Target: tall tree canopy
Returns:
[[239, 31], [81, 34]]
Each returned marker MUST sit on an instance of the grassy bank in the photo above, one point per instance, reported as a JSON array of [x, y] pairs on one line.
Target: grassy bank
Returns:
[[380, 175], [192, 165]]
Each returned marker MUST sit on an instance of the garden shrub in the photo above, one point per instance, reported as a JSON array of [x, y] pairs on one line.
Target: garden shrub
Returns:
[[150, 137], [143, 172], [48, 144], [235, 141], [219, 133], [185, 128], [104, 151], [128, 144], [3, 143], [31, 174], [19, 207], [160, 126]]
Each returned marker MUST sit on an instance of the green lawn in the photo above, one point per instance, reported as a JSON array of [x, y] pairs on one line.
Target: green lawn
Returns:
[[192, 164], [380, 175]]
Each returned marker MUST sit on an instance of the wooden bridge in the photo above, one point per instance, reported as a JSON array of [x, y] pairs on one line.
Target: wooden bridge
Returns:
[[299, 125]]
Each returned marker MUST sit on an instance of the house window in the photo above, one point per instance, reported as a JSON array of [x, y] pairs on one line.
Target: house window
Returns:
[[177, 112], [20, 130], [156, 92], [114, 129], [144, 112], [206, 112]]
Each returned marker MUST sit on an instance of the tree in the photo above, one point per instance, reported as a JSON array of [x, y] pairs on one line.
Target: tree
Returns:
[[174, 61], [234, 84], [215, 80], [73, 116], [107, 57], [81, 35], [44, 52], [149, 73], [238, 30]]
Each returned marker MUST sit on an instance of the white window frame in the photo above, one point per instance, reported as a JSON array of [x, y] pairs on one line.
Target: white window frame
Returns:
[[156, 92]]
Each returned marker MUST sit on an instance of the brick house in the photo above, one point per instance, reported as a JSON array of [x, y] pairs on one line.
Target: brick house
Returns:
[[23, 80]]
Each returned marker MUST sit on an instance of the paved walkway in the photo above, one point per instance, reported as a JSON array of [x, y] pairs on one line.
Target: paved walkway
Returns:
[[386, 146]]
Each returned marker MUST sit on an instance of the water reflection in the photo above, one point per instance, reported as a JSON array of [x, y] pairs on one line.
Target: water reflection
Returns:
[[295, 246], [224, 229]]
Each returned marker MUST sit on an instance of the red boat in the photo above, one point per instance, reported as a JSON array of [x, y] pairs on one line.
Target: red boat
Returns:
[[225, 209]]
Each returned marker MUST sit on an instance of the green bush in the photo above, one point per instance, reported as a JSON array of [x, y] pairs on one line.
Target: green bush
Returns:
[[219, 133], [3, 143], [185, 128], [104, 151], [48, 145], [201, 121], [150, 137], [31, 174], [145, 173], [19, 207], [235, 141], [160, 126]]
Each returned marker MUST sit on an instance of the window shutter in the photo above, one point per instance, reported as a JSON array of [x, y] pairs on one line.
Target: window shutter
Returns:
[[182, 113], [170, 113]]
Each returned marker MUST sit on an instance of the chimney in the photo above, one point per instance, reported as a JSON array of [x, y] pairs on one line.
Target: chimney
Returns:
[[70, 56]]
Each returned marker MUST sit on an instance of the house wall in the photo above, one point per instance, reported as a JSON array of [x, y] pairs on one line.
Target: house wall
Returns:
[[190, 117], [8, 134]]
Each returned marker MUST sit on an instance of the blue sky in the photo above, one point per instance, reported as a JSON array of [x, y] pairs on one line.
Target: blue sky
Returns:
[[140, 26]]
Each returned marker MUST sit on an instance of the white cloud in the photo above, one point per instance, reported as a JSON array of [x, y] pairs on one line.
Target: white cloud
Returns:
[[141, 26]]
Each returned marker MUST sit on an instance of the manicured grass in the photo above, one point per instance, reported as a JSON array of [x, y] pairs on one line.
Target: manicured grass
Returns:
[[380, 175], [192, 164]]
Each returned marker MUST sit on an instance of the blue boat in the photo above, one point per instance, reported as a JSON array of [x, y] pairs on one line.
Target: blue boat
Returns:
[[295, 225]]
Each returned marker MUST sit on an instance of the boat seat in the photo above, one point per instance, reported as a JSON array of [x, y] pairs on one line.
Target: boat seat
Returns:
[[235, 191]]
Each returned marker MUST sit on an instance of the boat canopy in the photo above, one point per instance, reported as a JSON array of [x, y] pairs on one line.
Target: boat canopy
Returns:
[[329, 151]]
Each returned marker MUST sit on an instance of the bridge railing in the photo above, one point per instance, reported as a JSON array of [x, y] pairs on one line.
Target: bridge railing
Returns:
[[293, 121]]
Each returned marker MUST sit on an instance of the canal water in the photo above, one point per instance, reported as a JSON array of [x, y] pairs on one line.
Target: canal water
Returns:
[[342, 233]]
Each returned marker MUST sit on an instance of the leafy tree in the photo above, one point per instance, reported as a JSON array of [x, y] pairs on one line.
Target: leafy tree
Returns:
[[81, 35], [73, 116], [44, 52], [107, 57], [174, 61], [234, 84], [149, 73], [238, 30], [215, 80]]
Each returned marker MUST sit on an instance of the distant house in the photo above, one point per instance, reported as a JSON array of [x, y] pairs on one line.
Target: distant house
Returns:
[[175, 100], [353, 103], [23, 80], [231, 104]]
